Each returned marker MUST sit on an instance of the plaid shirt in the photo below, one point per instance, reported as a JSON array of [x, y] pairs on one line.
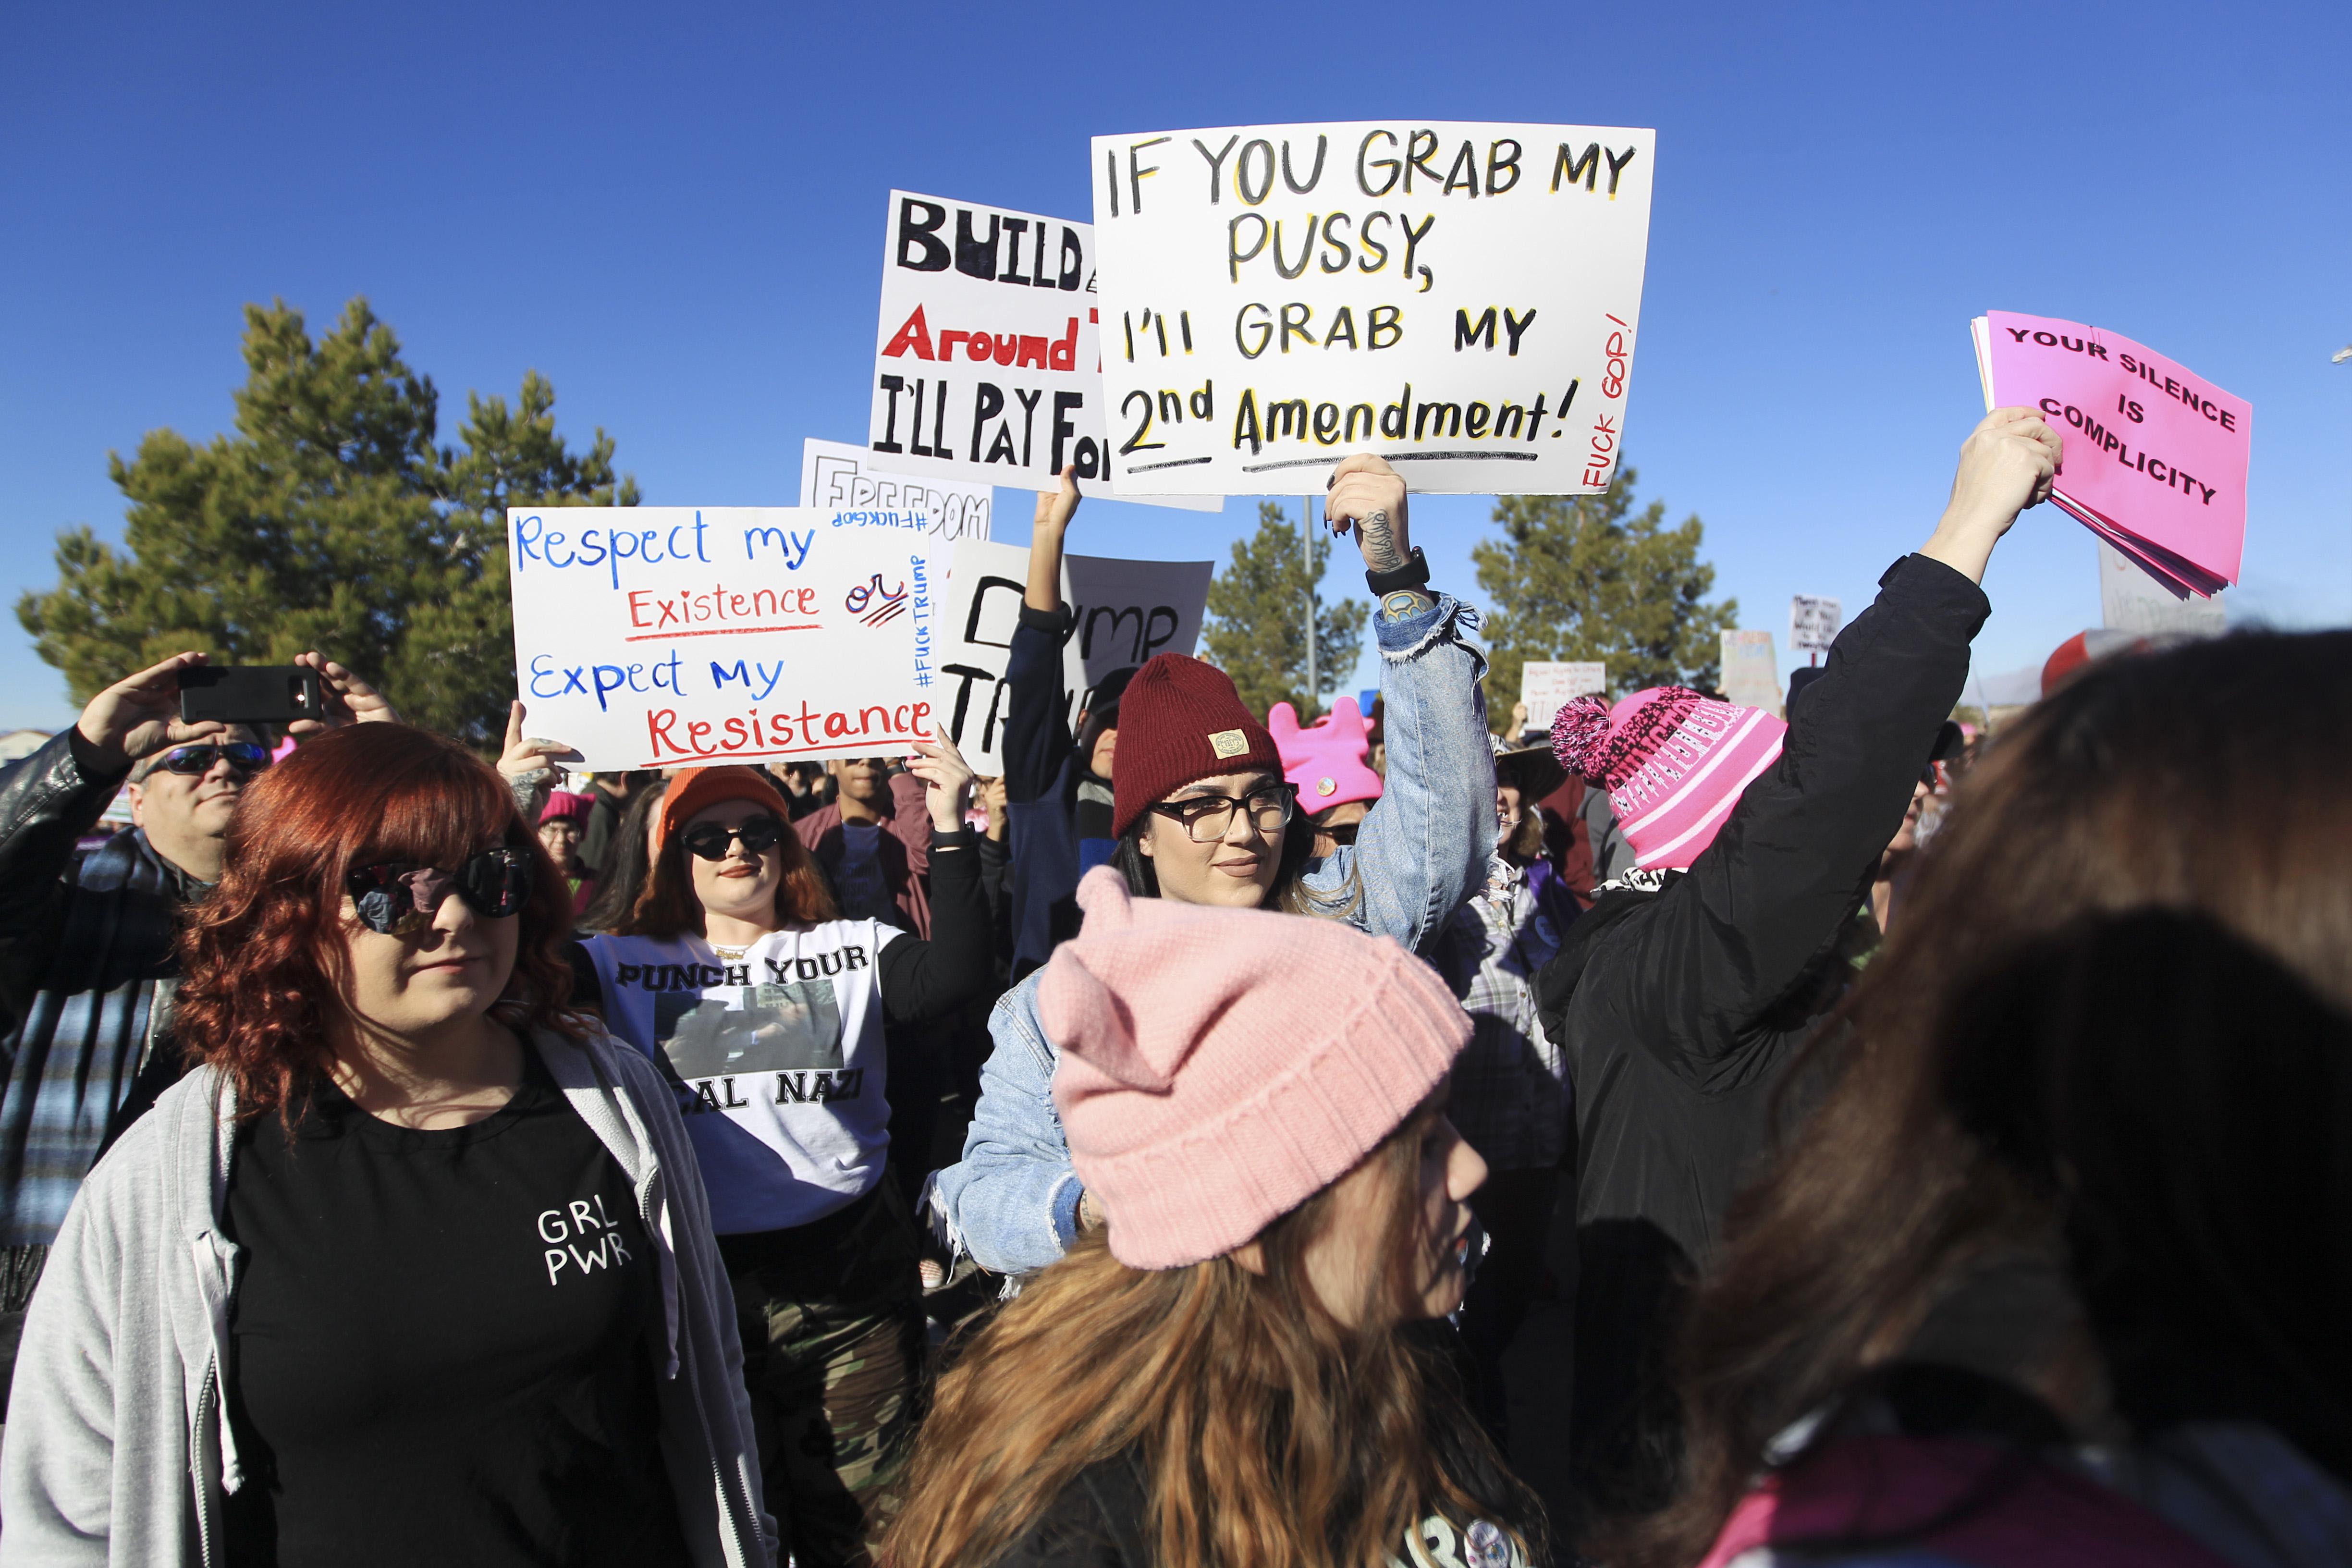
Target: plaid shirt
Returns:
[[86, 971], [1511, 1096]]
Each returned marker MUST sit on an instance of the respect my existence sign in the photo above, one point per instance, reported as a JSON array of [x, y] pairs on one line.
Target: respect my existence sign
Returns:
[[654, 636], [1123, 611], [986, 364], [1461, 299]]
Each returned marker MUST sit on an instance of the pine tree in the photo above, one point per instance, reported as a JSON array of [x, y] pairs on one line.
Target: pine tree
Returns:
[[328, 520], [1587, 578], [1255, 629]]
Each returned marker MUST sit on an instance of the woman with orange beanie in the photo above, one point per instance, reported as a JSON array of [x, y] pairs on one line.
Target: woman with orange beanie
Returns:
[[731, 971], [1221, 1373]]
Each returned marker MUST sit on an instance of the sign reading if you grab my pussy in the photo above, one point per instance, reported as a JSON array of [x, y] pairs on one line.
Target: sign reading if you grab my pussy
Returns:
[[658, 636], [1461, 299]]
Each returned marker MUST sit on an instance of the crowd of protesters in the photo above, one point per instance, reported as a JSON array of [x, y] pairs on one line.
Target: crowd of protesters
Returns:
[[1687, 1135]]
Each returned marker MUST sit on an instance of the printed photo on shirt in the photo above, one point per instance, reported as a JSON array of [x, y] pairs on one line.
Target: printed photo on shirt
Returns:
[[761, 1028]]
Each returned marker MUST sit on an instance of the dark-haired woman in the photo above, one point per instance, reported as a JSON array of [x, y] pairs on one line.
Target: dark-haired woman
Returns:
[[2074, 1225], [1201, 814], [1220, 1375], [628, 860], [413, 1267], [731, 970]]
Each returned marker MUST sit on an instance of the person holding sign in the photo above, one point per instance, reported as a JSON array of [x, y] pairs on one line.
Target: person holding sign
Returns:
[[1202, 814], [1682, 995], [731, 971]]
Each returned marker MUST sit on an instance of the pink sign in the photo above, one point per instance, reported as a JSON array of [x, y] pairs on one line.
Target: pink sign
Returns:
[[2155, 456]]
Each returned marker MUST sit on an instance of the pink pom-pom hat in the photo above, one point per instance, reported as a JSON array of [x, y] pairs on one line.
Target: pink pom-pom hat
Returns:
[[1327, 759], [1674, 762]]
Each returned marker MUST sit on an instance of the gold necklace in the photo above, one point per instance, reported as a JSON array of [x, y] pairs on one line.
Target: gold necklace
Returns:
[[732, 953]]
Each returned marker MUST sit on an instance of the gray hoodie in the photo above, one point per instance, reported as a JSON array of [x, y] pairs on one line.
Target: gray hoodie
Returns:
[[119, 1449]]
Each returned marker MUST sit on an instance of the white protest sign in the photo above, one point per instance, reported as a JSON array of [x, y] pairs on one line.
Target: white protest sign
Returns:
[[986, 364], [834, 477], [1126, 611], [1813, 622], [1462, 299], [654, 636], [1751, 671], [1544, 686], [2132, 600]]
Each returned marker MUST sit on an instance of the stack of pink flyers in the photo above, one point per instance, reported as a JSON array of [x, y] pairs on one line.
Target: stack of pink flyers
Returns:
[[2154, 456]]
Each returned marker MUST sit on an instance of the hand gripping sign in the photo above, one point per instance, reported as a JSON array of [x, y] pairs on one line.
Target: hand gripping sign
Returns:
[[1461, 299], [658, 636], [985, 365]]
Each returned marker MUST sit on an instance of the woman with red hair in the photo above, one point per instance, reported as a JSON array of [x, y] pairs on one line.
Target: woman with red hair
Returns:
[[414, 1265]]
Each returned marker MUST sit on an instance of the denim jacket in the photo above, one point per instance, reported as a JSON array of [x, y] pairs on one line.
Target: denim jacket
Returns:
[[1013, 1198]]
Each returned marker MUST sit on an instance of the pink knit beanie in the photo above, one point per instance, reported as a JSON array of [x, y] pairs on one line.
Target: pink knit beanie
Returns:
[[1674, 763], [1220, 1066], [1326, 760]]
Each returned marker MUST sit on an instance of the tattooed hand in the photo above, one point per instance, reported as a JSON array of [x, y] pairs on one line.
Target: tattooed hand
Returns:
[[1369, 495]]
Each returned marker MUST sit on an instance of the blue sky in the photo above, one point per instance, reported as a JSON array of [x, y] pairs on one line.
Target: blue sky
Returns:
[[676, 214]]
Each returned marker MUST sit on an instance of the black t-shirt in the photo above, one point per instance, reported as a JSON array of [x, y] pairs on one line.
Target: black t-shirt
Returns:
[[444, 1344]]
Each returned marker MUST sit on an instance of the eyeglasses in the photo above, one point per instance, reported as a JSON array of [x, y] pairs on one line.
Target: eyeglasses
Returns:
[[245, 756], [398, 898], [1209, 817], [759, 833]]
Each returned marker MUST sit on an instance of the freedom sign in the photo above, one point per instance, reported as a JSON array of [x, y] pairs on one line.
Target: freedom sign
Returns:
[[1461, 299], [835, 476], [656, 636], [985, 365]]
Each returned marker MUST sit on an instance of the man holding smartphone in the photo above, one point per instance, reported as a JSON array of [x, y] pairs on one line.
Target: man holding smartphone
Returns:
[[87, 963]]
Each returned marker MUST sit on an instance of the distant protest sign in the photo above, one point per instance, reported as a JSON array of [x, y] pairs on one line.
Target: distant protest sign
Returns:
[[1813, 622], [1545, 686], [2154, 456], [985, 365], [1126, 611], [653, 636], [1751, 671], [2132, 600], [834, 477], [1461, 299]]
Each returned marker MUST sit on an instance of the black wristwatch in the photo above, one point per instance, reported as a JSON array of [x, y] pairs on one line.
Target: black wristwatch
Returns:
[[1413, 573]]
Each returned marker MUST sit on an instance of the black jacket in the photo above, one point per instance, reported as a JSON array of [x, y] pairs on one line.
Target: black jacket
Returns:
[[1677, 1010]]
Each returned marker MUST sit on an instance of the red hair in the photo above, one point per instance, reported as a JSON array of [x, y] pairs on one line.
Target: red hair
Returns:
[[263, 959]]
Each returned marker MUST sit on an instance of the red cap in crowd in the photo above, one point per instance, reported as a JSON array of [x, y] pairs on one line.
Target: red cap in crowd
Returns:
[[1180, 719]]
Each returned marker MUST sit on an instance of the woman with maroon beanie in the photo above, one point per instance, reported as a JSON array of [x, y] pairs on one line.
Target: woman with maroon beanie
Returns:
[[1201, 814]]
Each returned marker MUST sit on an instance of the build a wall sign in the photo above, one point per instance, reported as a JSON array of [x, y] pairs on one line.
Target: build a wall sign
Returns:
[[1461, 299], [986, 368], [658, 636]]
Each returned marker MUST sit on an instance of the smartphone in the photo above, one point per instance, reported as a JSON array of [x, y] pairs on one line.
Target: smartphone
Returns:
[[250, 694]]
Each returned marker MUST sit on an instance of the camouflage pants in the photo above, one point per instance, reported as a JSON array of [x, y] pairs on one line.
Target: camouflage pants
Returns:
[[832, 1323]]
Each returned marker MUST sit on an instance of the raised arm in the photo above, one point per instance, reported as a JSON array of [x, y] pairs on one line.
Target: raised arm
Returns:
[[924, 979], [1037, 738], [1425, 845], [1762, 902]]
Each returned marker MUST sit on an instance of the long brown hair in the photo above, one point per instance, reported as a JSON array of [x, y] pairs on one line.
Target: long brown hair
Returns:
[[666, 907], [2209, 780], [263, 959], [1271, 1435]]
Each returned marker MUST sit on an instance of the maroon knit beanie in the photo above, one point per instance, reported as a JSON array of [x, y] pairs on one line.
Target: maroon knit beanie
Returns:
[[1178, 721]]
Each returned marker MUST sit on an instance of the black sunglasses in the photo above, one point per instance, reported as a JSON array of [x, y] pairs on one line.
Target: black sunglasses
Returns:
[[759, 833], [245, 756], [399, 897]]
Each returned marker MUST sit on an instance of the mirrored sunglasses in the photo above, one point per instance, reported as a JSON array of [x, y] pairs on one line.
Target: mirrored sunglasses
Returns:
[[245, 756], [399, 898]]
